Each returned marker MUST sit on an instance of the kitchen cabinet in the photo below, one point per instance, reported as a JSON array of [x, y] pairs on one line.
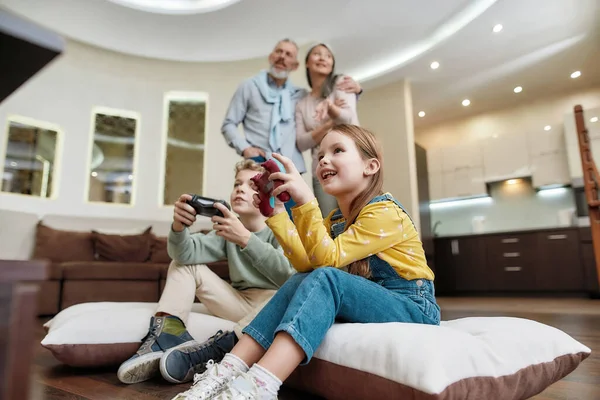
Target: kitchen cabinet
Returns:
[[550, 169], [548, 260], [542, 142], [462, 156], [589, 261], [436, 186], [505, 157], [460, 265], [548, 158], [559, 265], [455, 172], [511, 261], [466, 182], [571, 142], [434, 160]]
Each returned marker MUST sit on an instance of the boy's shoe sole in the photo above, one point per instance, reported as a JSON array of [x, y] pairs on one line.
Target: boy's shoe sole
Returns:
[[140, 369]]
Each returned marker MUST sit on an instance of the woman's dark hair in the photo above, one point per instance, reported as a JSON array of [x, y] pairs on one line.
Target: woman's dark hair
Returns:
[[329, 84]]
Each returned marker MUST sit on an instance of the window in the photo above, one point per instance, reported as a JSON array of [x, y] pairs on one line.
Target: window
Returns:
[[30, 158], [112, 156], [185, 139]]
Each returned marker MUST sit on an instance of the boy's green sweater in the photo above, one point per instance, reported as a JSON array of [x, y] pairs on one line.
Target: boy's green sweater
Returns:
[[261, 264]]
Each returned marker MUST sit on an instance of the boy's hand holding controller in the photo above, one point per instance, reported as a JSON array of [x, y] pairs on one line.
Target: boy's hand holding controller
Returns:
[[226, 223], [230, 228], [184, 214]]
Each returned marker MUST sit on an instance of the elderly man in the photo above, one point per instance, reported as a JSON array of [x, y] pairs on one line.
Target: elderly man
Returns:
[[265, 104]]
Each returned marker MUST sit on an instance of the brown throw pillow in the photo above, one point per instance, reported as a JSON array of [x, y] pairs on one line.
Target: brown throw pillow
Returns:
[[159, 250], [125, 248], [61, 246]]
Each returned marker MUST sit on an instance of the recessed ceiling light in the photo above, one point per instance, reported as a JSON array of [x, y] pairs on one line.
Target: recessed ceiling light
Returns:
[[512, 181], [466, 102], [576, 74], [94, 174], [421, 114], [130, 177], [547, 127], [594, 119], [13, 164], [518, 89], [435, 65], [176, 6], [497, 28]]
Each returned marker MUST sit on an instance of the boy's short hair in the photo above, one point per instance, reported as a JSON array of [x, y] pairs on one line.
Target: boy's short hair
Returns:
[[247, 164]]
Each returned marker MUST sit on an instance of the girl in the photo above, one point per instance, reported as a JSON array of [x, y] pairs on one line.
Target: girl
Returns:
[[317, 112], [387, 277]]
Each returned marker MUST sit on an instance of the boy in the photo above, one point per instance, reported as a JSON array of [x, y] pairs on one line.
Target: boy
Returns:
[[257, 268]]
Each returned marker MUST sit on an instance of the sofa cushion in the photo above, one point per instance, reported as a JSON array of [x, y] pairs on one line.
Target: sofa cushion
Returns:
[[55, 271], [159, 252], [105, 270], [106, 334], [48, 297], [127, 248], [87, 291], [59, 245]]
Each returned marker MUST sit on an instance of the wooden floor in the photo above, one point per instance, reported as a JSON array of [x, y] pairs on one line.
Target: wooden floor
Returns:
[[579, 318]]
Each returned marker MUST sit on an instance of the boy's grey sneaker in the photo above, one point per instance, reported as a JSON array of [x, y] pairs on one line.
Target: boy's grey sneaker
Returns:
[[163, 334], [180, 363]]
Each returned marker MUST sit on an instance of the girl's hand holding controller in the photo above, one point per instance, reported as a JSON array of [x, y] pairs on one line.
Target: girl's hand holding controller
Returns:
[[293, 183], [278, 208]]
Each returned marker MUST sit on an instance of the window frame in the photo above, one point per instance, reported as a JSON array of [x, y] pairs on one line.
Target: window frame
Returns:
[[180, 96], [58, 152], [117, 112]]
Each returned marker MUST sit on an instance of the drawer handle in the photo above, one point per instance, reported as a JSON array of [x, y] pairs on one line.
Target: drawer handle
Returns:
[[511, 255], [510, 240], [512, 269], [557, 237], [454, 247]]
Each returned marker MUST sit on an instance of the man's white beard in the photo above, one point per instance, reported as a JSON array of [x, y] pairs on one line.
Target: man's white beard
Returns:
[[278, 73]]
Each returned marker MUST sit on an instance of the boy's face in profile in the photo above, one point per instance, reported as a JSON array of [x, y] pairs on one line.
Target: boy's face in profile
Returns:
[[241, 198]]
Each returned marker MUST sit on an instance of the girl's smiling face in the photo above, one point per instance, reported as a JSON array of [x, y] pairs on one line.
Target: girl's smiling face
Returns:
[[342, 168]]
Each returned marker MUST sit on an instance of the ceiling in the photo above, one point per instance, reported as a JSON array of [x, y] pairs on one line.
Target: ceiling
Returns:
[[377, 42]]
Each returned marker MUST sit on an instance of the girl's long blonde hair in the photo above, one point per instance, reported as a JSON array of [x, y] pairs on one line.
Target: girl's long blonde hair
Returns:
[[368, 147]]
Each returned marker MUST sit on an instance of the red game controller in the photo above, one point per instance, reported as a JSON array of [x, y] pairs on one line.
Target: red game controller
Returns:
[[265, 186]]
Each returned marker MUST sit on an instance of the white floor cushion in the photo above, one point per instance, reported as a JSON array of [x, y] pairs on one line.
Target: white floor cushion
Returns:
[[106, 333], [469, 358]]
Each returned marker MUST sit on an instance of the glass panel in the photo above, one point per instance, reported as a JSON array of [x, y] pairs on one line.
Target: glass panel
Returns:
[[30, 159], [184, 163], [112, 158]]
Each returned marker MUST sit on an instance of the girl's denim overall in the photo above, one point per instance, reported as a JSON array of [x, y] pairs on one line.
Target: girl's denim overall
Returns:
[[309, 303]]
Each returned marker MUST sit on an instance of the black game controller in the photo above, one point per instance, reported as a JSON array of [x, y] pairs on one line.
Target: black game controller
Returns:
[[205, 206]]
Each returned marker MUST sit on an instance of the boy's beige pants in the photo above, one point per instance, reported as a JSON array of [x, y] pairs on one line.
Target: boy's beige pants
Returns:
[[184, 282]]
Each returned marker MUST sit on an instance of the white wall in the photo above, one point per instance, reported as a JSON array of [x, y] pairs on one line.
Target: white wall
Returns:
[[523, 119], [387, 112], [64, 94]]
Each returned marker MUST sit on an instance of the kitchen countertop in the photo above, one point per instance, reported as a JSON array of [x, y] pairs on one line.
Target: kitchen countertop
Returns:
[[512, 232]]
